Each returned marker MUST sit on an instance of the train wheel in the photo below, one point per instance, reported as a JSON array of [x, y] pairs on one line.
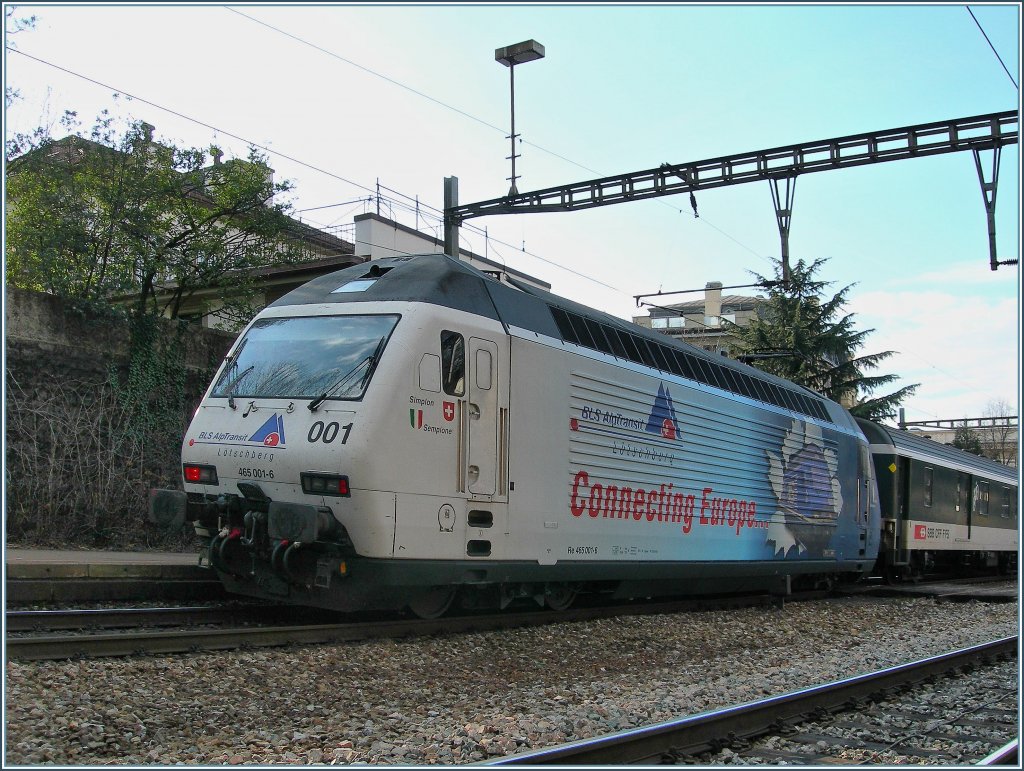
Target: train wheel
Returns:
[[232, 557], [824, 583], [433, 602], [560, 596]]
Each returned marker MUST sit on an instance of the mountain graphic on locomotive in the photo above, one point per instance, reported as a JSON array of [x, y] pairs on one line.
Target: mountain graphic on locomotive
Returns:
[[410, 431]]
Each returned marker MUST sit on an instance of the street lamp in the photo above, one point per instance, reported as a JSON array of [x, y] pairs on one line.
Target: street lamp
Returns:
[[510, 56]]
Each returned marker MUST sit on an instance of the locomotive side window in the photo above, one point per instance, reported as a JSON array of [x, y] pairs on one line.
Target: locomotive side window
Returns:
[[929, 480], [430, 372], [453, 363], [483, 369]]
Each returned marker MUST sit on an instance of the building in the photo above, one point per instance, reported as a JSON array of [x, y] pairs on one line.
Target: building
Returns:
[[998, 436], [700, 322], [294, 255], [375, 237]]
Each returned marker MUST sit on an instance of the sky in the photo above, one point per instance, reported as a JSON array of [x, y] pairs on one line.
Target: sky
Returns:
[[345, 97]]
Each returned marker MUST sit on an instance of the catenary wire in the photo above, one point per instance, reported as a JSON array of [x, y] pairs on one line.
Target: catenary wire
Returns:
[[465, 114], [394, 82], [351, 182], [1000, 58], [274, 152], [191, 119]]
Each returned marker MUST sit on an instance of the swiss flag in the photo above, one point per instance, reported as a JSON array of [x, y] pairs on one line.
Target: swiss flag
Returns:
[[449, 411]]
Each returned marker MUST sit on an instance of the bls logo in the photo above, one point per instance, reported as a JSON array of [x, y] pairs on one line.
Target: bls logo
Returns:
[[663, 416], [920, 532], [449, 411], [271, 433]]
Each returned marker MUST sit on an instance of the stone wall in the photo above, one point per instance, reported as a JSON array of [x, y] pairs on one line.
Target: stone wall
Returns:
[[77, 470], [40, 329]]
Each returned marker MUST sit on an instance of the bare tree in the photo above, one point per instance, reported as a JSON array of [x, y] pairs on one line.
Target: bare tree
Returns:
[[1001, 438]]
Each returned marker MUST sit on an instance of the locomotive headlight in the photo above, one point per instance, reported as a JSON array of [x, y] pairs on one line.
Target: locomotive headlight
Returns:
[[315, 483], [203, 475]]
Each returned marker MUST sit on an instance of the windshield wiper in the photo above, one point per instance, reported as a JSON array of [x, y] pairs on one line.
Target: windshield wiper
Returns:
[[237, 379], [369, 361], [232, 360], [323, 397]]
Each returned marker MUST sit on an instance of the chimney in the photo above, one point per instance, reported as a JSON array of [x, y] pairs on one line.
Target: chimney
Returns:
[[147, 130], [217, 154], [712, 303]]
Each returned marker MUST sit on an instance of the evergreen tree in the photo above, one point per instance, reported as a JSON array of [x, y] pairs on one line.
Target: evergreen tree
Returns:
[[802, 336], [967, 439]]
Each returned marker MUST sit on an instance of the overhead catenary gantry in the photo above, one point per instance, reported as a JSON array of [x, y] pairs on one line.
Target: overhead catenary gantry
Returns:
[[780, 166], [988, 422]]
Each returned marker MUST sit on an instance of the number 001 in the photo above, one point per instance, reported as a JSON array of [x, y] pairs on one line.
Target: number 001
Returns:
[[328, 433]]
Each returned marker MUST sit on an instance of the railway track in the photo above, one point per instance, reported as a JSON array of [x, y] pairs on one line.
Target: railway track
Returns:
[[814, 726], [35, 634], [269, 626], [113, 618]]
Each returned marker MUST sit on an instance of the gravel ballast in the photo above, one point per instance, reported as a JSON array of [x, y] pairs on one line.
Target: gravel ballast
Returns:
[[467, 697]]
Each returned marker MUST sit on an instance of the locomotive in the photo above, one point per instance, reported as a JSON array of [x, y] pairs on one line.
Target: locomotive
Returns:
[[409, 431]]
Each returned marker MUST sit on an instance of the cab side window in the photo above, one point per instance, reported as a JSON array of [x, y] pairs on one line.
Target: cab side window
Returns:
[[453, 363]]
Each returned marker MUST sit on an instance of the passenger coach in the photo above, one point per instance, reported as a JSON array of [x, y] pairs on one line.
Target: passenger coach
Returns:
[[941, 507]]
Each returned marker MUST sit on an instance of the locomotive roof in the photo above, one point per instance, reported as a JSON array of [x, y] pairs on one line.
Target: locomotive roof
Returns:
[[442, 280], [913, 445]]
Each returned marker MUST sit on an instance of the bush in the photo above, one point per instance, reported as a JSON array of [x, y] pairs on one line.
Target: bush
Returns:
[[78, 470]]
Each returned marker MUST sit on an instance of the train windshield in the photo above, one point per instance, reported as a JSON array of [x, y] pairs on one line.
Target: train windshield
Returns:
[[309, 357]]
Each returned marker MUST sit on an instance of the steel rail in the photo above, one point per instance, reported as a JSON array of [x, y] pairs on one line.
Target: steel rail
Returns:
[[274, 628], [184, 641], [48, 647], [122, 589], [95, 618], [698, 733], [1007, 755]]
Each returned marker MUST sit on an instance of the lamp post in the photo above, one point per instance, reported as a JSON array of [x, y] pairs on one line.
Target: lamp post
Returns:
[[510, 56]]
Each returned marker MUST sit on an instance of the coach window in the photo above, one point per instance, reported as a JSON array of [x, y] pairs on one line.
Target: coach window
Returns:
[[1005, 513], [981, 498], [929, 475], [453, 363]]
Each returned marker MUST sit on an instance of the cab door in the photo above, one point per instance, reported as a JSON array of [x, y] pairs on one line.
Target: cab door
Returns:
[[867, 504], [484, 418]]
